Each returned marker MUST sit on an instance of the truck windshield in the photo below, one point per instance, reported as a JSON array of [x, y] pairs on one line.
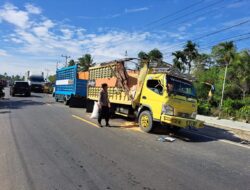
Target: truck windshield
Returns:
[[180, 87], [36, 79]]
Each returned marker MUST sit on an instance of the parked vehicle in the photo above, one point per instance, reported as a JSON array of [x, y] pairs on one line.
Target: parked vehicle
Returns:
[[47, 88], [36, 82], [20, 87], [155, 95], [2, 85], [69, 88]]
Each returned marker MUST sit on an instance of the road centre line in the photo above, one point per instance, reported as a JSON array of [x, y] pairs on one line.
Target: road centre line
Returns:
[[86, 121], [220, 140]]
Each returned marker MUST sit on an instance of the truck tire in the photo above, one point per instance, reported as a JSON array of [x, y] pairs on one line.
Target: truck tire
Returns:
[[89, 106], [146, 121], [66, 102]]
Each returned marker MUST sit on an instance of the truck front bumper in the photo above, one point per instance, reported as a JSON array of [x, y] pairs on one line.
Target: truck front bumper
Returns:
[[181, 122]]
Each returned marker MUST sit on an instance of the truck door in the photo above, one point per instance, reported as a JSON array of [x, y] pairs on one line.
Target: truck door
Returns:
[[152, 96]]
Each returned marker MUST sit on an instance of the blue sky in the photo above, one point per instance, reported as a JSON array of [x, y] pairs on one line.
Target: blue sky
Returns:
[[34, 34]]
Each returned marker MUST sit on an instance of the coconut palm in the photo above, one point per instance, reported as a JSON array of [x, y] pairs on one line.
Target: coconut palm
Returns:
[[224, 54]]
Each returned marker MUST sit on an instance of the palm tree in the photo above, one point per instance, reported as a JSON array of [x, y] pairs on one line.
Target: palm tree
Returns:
[[179, 60], [191, 53], [224, 54], [154, 55], [85, 62], [71, 62]]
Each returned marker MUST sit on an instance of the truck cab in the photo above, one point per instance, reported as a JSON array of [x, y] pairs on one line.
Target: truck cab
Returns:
[[167, 99]]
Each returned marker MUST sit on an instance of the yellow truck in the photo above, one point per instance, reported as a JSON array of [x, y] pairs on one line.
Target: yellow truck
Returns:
[[153, 95]]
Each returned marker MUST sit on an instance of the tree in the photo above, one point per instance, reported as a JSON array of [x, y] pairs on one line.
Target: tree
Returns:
[[239, 71], [183, 59], [179, 60], [154, 55], [85, 62], [71, 62], [201, 63], [52, 78], [191, 53], [143, 55], [224, 54]]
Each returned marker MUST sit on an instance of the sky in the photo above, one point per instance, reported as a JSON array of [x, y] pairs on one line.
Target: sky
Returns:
[[36, 33]]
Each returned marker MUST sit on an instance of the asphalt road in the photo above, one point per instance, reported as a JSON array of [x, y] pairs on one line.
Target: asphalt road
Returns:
[[46, 145]]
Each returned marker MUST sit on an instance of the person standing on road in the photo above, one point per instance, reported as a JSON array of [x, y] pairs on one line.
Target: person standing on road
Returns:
[[103, 105]]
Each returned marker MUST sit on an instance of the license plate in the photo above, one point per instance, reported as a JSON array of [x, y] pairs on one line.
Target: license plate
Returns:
[[191, 123]]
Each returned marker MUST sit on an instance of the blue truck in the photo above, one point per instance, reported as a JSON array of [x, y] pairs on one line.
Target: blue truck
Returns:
[[68, 88]]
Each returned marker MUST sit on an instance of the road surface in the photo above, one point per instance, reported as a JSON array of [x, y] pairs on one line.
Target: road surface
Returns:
[[48, 146]]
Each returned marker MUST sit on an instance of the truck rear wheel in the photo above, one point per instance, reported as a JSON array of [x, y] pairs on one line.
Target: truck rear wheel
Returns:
[[89, 106], [146, 121], [66, 102]]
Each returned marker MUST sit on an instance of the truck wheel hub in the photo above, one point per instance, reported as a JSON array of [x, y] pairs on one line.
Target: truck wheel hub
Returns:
[[144, 121]]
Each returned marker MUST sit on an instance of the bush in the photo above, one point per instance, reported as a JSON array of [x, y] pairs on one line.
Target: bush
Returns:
[[230, 107], [244, 113], [204, 108]]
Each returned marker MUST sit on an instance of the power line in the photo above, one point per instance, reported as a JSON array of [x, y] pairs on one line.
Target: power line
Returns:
[[207, 35], [190, 13], [217, 41], [212, 33], [221, 41], [237, 40], [172, 14], [66, 59]]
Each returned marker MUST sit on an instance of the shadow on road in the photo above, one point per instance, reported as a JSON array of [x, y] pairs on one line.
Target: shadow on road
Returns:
[[18, 104], [206, 134], [3, 112]]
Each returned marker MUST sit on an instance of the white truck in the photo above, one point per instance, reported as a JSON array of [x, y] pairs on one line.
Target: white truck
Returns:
[[36, 81]]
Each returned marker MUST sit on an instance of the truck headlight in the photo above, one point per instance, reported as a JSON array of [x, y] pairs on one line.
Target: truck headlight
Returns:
[[193, 115], [168, 110]]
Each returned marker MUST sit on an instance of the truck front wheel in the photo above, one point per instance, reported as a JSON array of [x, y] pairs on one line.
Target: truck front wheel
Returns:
[[146, 121]]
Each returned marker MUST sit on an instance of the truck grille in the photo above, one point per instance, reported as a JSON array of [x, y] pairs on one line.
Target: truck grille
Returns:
[[184, 115]]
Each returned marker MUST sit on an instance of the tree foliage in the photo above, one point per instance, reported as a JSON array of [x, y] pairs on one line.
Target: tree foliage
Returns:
[[85, 62], [52, 78], [183, 59], [154, 55], [71, 62]]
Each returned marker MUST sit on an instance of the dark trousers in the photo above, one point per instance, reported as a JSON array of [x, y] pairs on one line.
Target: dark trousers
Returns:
[[104, 113]]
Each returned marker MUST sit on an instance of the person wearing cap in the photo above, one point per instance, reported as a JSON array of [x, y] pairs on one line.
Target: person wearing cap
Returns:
[[103, 105]]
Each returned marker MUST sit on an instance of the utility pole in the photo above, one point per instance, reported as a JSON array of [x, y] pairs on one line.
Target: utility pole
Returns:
[[126, 54], [66, 59], [223, 88], [47, 74], [57, 64]]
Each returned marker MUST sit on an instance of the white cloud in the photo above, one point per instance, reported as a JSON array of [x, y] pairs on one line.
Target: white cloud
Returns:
[[32, 9], [43, 28], [3, 52], [12, 15], [182, 28], [38, 37], [136, 10]]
